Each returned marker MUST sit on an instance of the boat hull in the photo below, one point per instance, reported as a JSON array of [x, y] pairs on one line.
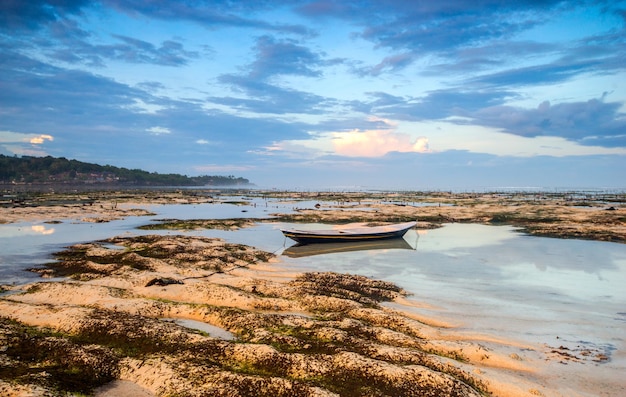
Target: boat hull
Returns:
[[346, 235]]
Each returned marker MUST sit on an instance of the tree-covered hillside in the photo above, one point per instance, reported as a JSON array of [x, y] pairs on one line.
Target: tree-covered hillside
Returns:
[[51, 170]]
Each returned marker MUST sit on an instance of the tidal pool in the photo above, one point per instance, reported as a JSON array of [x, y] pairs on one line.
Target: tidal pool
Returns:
[[210, 329], [31, 244]]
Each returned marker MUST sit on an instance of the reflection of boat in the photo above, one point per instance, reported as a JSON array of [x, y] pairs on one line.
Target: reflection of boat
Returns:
[[301, 250], [349, 234]]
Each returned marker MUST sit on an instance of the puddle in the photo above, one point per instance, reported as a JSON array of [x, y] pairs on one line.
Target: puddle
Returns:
[[212, 330], [122, 388], [113, 247]]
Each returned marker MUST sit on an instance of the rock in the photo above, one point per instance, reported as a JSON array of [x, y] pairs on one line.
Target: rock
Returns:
[[161, 281]]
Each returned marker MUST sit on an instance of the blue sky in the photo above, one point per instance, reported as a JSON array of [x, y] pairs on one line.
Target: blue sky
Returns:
[[323, 94]]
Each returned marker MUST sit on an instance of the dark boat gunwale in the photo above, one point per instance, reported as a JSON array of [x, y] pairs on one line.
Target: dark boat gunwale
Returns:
[[349, 234]]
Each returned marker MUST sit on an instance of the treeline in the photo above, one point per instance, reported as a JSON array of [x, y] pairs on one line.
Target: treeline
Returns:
[[52, 170]]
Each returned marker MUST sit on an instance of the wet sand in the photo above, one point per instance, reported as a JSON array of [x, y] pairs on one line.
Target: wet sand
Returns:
[[110, 320]]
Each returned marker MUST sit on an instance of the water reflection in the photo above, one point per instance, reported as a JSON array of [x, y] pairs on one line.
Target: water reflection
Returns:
[[233, 207], [302, 250], [24, 230], [495, 279], [210, 329], [464, 236]]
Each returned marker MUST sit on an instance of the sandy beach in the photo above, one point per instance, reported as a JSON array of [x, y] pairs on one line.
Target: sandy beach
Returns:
[[160, 315]]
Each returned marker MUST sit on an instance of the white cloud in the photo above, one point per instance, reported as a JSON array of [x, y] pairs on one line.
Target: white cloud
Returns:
[[202, 142], [146, 108], [159, 130]]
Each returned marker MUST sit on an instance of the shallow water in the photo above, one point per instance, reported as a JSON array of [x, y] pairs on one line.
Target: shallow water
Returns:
[[494, 278], [30, 244], [491, 280], [212, 330]]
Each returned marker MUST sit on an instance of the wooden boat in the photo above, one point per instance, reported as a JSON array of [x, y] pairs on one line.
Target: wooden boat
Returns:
[[302, 250], [349, 234]]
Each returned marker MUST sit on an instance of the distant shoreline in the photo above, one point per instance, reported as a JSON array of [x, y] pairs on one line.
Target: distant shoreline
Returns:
[[91, 187], [39, 188]]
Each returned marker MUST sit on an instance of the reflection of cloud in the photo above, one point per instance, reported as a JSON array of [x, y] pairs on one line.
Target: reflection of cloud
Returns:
[[376, 143], [7, 231], [40, 229], [459, 238]]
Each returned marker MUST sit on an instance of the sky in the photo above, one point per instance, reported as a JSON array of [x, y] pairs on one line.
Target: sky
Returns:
[[396, 94]]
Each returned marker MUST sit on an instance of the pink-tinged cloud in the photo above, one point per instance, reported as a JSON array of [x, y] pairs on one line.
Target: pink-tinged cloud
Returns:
[[23, 144], [38, 140], [376, 143], [20, 137]]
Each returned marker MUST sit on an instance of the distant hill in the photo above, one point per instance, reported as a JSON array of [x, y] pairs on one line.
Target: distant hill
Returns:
[[51, 170]]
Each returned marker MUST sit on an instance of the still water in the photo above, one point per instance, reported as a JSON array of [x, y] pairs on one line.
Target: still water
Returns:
[[483, 279]]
